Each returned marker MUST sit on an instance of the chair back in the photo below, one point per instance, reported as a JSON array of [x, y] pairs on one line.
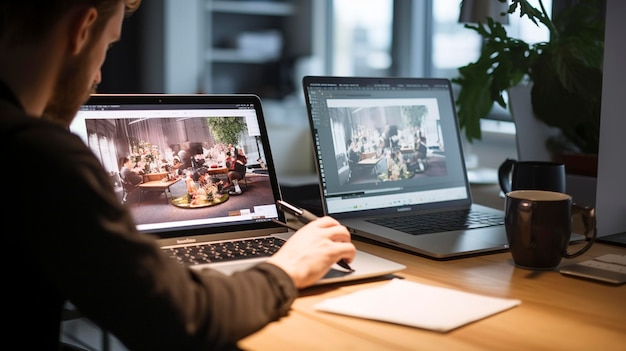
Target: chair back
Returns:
[[128, 186]]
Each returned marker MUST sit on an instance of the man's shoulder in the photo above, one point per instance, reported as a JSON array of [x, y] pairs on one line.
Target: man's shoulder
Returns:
[[13, 121], [16, 123], [48, 141], [18, 127]]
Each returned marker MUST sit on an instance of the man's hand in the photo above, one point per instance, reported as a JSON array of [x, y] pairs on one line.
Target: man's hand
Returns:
[[312, 250]]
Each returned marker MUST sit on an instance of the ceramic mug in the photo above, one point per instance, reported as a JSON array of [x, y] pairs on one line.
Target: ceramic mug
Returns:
[[539, 226], [531, 175]]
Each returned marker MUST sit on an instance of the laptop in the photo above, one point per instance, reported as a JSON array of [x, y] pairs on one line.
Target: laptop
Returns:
[[390, 161], [215, 226]]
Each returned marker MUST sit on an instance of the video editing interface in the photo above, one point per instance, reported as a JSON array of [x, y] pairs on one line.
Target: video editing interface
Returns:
[[386, 145], [179, 153]]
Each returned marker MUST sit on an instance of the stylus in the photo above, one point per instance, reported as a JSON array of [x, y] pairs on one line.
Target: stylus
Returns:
[[305, 217]]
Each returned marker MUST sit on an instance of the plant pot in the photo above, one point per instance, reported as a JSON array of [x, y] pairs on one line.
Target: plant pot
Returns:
[[579, 164], [531, 134]]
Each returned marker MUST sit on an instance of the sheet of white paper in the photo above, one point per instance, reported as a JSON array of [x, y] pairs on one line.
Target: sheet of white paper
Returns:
[[417, 305]]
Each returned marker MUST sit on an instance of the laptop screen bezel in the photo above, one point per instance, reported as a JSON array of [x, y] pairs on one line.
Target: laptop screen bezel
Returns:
[[345, 82]]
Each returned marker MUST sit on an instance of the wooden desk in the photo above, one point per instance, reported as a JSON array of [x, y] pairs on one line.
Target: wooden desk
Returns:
[[150, 177], [367, 155], [373, 166], [557, 312], [217, 170], [157, 185]]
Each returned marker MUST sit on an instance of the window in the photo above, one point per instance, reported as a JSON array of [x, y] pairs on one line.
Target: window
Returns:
[[421, 38], [362, 37], [455, 46]]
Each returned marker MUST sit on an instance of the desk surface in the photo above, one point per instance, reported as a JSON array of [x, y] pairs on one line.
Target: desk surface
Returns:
[[557, 312], [150, 177], [370, 160], [217, 170], [158, 184]]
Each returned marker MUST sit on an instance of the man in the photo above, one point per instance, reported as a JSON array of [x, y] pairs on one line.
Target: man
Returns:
[[127, 171], [237, 171], [73, 241], [129, 178]]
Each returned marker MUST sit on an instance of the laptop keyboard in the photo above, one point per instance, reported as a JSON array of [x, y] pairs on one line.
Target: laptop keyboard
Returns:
[[225, 251], [440, 221]]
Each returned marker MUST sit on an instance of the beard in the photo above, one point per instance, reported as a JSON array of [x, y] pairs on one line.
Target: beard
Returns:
[[71, 91]]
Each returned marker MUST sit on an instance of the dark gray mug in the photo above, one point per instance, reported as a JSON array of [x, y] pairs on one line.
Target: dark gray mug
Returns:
[[531, 175], [539, 226]]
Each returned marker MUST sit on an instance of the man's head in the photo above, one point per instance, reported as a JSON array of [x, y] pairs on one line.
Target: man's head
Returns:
[[87, 29], [29, 20], [123, 161]]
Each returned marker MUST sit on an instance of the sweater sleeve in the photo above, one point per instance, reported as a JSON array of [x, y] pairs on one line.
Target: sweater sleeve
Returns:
[[247, 301]]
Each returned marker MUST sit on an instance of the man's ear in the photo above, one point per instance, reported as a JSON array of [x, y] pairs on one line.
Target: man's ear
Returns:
[[80, 28]]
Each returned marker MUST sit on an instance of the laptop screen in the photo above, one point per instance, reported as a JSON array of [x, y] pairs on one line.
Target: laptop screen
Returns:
[[181, 148], [385, 143]]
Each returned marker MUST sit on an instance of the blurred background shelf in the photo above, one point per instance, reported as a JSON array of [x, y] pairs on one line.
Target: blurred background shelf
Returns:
[[275, 8]]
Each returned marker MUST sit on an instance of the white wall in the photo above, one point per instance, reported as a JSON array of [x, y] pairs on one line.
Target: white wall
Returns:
[[611, 188]]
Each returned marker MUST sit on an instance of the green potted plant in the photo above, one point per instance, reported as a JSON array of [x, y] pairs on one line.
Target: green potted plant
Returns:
[[226, 130], [565, 71]]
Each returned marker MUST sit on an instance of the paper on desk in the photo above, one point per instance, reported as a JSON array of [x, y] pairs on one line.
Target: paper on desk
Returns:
[[417, 305]]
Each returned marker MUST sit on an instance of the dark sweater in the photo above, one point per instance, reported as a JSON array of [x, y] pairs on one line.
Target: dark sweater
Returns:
[[73, 241]]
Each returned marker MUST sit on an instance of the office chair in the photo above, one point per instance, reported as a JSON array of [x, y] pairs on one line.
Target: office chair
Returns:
[[244, 179], [74, 343]]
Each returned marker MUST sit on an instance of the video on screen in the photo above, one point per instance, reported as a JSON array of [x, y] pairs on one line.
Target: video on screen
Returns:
[[387, 142], [170, 171]]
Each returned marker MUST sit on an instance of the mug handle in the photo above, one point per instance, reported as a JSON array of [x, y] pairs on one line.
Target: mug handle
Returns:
[[504, 173], [588, 216]]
